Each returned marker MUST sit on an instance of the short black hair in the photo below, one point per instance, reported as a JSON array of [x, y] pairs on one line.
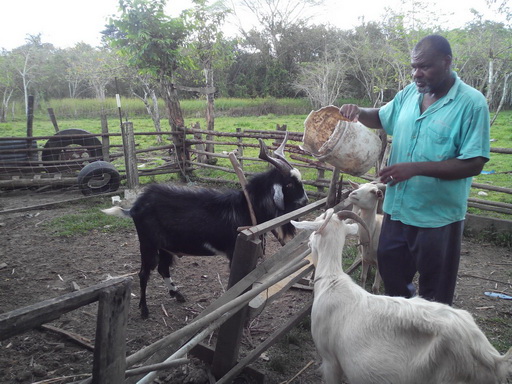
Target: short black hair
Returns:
[[437, 43]]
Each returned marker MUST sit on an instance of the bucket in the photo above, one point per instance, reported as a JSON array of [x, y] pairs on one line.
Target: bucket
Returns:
[[349, 146]]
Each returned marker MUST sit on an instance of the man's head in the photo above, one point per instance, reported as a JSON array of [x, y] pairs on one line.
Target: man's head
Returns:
[[431, 61]]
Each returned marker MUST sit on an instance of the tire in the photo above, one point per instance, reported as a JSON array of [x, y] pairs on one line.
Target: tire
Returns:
[[12, 151], [54, 148], [98, 177]]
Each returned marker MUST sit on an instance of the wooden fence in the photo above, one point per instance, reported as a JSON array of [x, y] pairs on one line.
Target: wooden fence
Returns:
[[110, 342], [187, 155]]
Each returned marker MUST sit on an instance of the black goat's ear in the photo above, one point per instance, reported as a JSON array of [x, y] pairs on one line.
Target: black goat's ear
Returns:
[[278, 196]]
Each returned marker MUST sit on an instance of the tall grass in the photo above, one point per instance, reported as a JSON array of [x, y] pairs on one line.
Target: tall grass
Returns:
[[134, 107]]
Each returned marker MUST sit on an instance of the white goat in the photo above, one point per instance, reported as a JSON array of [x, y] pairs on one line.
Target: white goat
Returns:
[[377, 339], [365, 199]]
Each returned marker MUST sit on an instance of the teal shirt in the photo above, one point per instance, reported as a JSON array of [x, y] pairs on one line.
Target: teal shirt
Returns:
[[455, 126]]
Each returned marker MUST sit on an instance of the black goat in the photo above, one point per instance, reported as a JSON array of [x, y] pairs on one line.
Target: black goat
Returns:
[[176, 220]]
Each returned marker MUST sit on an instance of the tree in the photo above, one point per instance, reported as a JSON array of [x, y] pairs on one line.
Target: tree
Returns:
[[274, 41], [151, 42], [7, 84], [76, 70], [206, 45], [144, 88], [322, 82], [372, 61], [29, 61], [483, 58]]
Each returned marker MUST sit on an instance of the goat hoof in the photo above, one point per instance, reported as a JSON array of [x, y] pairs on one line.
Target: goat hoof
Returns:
[[179, 297], [144, 313]]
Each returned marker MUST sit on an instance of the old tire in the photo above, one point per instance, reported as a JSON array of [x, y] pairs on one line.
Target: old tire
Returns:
[[98, 177], [55, 148]]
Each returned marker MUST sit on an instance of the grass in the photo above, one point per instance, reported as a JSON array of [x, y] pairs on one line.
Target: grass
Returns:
[[499, 331], [85, 220]]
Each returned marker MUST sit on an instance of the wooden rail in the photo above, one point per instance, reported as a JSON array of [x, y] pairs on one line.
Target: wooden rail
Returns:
[[110, 343]]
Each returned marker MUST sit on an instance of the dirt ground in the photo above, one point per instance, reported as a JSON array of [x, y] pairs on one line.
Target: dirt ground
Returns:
[[36, 265]]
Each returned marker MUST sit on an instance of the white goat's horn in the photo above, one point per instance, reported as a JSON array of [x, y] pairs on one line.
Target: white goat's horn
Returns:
[[328, 216], [352, 215]]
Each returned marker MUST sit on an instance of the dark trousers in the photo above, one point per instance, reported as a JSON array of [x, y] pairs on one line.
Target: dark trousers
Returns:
[[432, 252]]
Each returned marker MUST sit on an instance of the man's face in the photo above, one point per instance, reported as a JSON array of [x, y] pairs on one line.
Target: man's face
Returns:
[[430, 71]]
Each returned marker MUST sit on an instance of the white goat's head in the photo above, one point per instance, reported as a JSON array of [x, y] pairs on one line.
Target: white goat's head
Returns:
[[330, 230], [366, 196]]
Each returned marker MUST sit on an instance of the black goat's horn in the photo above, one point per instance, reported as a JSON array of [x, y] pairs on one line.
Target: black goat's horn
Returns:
[[279, 161]]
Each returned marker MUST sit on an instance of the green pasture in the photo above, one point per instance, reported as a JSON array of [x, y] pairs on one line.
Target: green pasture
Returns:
[[231, 114]]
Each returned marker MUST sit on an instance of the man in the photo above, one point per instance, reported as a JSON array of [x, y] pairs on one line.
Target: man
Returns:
[[440, 128]]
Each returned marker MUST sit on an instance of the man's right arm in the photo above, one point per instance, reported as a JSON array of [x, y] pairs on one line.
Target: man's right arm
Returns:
[[367, 116]]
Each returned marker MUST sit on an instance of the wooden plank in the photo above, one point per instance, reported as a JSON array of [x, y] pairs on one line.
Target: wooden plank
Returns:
[[23, 319], [295, 246], [277, 290], [36, 181], [487, 207], [53, 119], [245, 257], [109, 363], [491, 188], [279, 221], [47, 205], [226, 311], [229, 376]]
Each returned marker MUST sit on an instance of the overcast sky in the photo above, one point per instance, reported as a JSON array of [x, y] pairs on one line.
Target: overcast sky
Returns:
[[67, 22]]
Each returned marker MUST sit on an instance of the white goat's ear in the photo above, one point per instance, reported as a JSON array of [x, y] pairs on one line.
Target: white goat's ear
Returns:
[[352, 229], [313, 225], [278, 196], [353, 184]]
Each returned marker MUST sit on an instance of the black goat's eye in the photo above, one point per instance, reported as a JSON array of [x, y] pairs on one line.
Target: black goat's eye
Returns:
[[289, 185]]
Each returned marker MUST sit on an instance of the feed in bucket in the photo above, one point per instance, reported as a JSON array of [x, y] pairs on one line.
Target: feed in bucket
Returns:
[[346, 145]]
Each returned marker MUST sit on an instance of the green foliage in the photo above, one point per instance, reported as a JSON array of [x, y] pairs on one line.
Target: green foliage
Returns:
[[147, 38]]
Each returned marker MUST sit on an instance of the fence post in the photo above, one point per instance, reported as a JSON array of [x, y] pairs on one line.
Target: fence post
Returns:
[[105, 138], [53, 119], [245, 257], [109, 363], [240, 148], [201, 157], [130, 159]]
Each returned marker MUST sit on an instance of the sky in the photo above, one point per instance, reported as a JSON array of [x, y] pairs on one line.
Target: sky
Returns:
[[64, 23]]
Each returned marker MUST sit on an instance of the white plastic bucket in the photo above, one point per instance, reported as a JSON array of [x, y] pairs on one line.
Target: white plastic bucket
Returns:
[[351, 147]]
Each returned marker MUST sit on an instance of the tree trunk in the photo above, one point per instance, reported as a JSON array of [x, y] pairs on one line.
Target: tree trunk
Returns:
[[151, 108], [503, 97], [490, 83], [210, 112], [5, 104], [176, 122]]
